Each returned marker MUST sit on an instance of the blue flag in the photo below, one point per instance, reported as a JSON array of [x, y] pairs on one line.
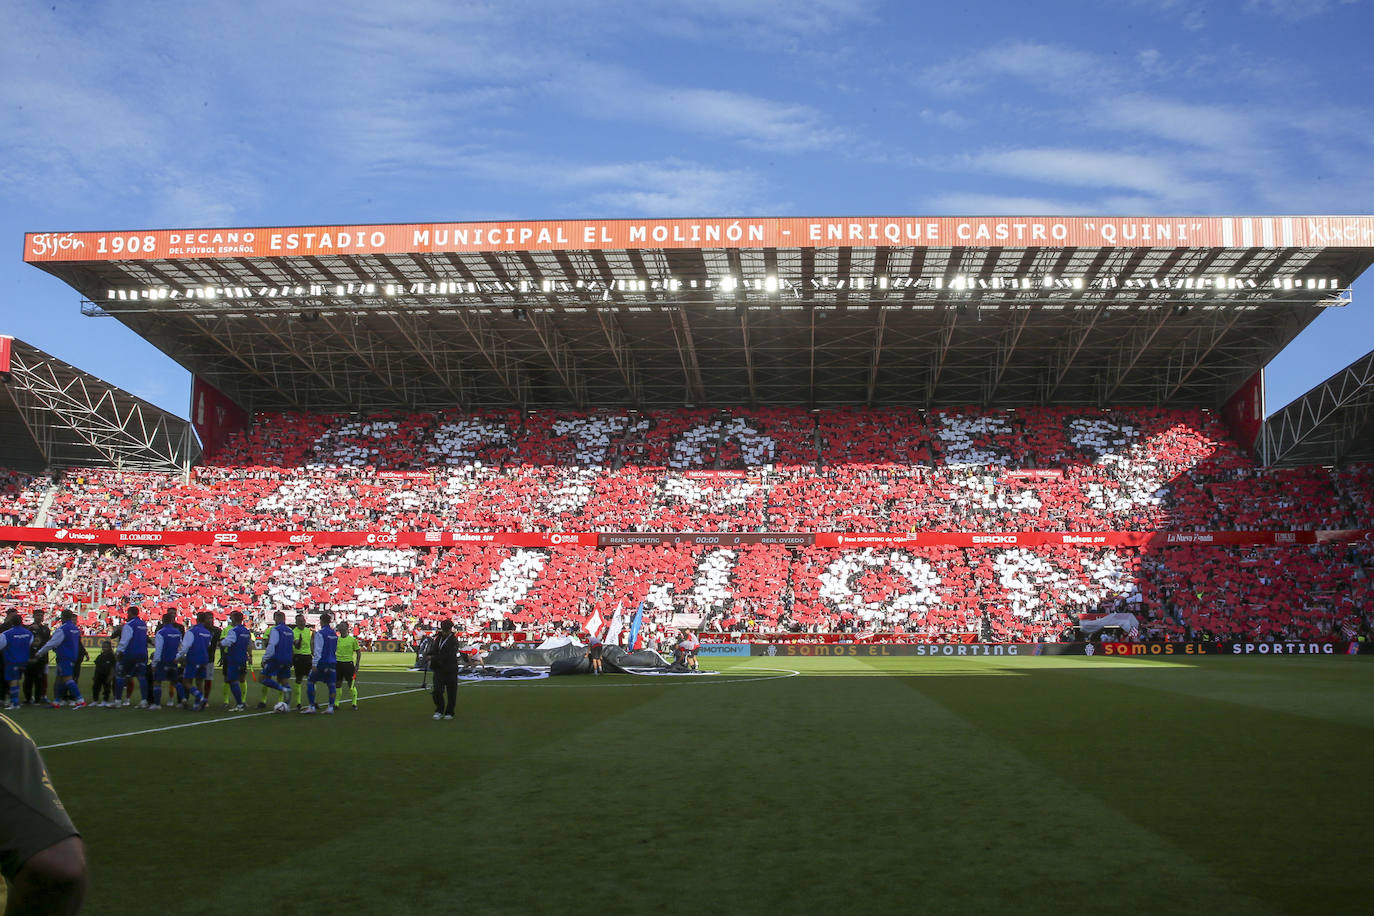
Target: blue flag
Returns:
[[634, 627]]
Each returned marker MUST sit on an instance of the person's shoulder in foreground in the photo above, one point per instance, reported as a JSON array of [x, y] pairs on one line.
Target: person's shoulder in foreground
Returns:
[[41, 853]]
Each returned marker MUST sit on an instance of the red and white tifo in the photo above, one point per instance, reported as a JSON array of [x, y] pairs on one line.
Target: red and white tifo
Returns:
[[935, 427]]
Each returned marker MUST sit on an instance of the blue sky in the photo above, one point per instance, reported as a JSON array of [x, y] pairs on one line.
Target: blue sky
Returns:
[[175, 114]]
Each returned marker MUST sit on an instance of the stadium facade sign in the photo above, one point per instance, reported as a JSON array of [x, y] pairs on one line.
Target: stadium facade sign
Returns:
[[727, 232]]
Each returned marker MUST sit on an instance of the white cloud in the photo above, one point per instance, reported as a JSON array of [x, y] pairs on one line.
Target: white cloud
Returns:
[[946, 118], [724, 20], [1189, 13], [611, 93], [674, 188], [1027, 63], [638, 187], [189, 113], [1294, 10], [1132, 139], [81, 125], [1151, 176], [978, 204]]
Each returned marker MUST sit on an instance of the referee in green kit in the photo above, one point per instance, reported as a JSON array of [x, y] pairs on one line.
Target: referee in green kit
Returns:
[[349, 656]]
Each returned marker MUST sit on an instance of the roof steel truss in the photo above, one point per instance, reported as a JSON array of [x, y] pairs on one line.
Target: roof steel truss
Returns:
[[76, 418], [599, 328], [1329, 424]]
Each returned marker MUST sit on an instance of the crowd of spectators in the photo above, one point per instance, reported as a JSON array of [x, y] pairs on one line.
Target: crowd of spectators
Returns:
[[779, 469], [20, 496], [1048, 469]]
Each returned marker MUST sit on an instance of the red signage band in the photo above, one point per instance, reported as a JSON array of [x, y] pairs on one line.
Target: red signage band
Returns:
[[829, 539], [728, 232], [122, 538], [1074, 538]]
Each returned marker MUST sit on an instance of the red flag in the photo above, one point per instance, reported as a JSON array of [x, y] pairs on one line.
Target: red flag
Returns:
[[593, 624]]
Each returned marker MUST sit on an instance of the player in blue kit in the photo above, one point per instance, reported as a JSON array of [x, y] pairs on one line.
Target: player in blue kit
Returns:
[[66, 647], [237, 646], [195, 655], [323, 664], [166, 645], [16, 647], [276, 661], [132, 653]]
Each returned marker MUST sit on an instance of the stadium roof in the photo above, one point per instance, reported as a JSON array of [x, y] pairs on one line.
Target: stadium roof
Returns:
[[53, 415], [1331, 424], [925, 311]]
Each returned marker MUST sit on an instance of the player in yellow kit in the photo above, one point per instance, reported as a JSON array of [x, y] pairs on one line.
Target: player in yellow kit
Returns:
[[349, 654]]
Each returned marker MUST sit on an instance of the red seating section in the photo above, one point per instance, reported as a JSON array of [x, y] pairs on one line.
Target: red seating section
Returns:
[[20, 495], [740, 470]]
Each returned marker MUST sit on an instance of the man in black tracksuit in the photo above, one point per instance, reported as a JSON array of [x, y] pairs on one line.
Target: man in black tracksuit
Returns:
[[443, 664], [36, 674], [102, 684]]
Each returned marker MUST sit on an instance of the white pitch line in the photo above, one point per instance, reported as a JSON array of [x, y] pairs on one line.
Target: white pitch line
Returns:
[[643, 681], [228, 718], [782, 673]]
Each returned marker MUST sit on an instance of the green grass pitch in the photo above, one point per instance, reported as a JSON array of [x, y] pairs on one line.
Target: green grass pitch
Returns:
[[1212, 785]]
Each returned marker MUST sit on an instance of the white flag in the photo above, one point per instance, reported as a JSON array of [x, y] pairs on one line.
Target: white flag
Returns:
[[614, 630]]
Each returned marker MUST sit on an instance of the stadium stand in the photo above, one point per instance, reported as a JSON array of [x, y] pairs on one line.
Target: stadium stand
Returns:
[[20, 495], [1036, 469], [1033, 469]]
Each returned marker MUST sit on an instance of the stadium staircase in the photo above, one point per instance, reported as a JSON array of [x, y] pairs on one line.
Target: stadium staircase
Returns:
[[40, 519]]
